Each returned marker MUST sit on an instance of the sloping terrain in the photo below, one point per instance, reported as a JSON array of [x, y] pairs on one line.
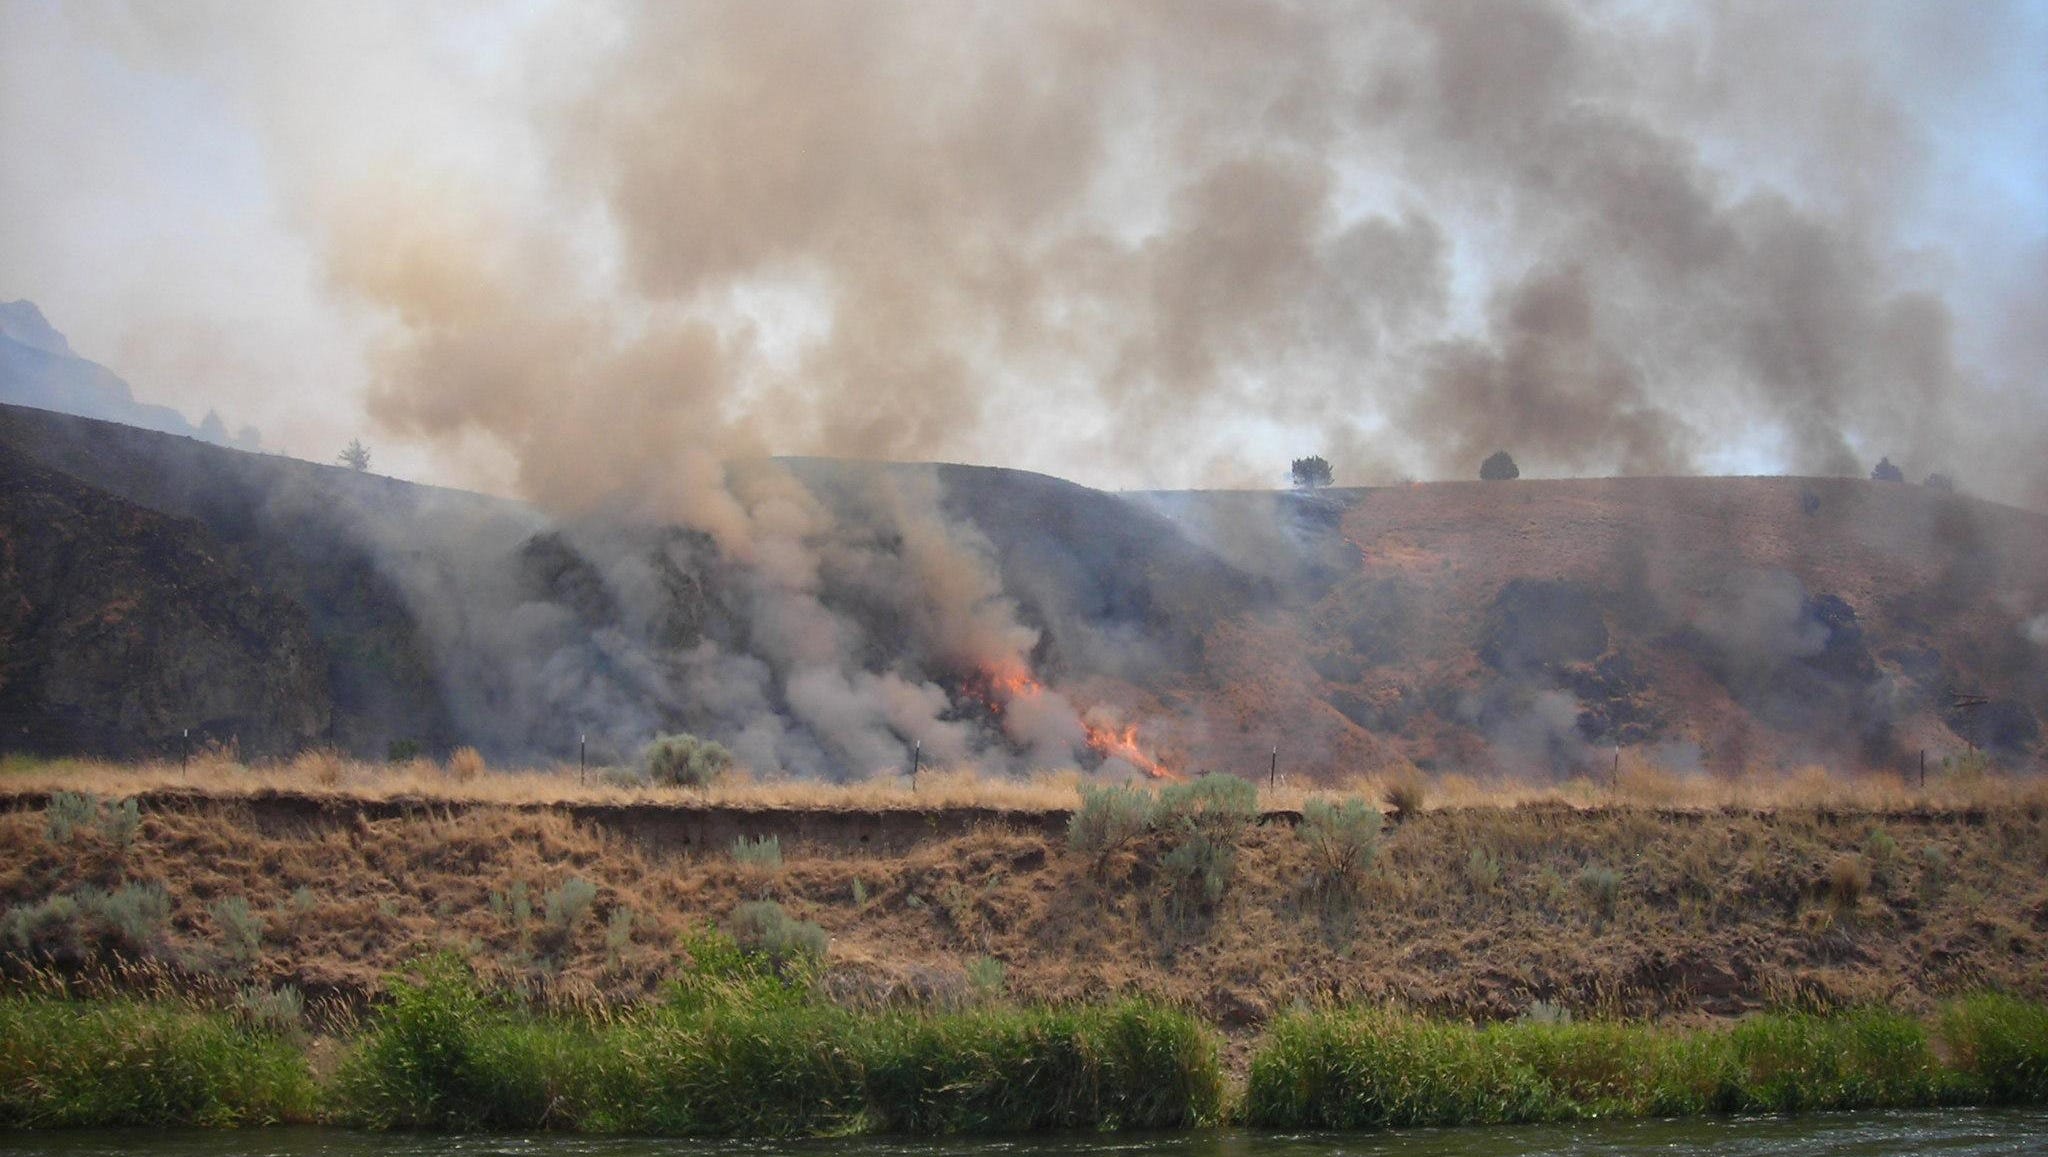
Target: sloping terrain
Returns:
[[1465, 911], [1529, 627], [1721, 621], [121, 628]]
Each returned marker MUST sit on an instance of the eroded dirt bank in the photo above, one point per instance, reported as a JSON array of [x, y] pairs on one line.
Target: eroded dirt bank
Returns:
[[1468, 911]]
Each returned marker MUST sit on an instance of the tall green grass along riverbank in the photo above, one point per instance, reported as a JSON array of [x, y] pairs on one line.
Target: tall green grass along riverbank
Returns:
[[1349, 1070], [125, 1062], [745, 1051], [743, 1046]]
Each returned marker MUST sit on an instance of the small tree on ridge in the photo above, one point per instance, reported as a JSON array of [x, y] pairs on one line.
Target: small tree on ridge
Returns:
[[1499, 468], [1311, 472], [355, 455]]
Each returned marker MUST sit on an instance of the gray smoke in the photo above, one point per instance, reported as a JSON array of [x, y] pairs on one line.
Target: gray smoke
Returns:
[[1128, 242]]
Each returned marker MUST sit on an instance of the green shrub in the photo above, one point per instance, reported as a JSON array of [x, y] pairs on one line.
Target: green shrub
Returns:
[[132, 916], [720, 972], [1602, 886], [764, 853], [421, 1066], [1342, 839], [986, 974], [763, 928], [241, 931], [1109, 818], [1202, 822], [1483, 870], [69, 811], [111, 1063], [127, 921], [563, 908], [280, 1011], [119, 822], [686, 761]]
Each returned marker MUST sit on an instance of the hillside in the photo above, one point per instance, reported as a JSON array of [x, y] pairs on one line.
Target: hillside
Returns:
[[1716, 622], [1480, 912], [1526, 627]]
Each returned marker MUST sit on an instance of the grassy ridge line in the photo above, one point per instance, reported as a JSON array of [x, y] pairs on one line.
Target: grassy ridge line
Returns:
[[1350, 1070]]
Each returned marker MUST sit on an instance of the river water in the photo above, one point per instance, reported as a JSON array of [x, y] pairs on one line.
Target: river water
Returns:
[[1947, 1132]]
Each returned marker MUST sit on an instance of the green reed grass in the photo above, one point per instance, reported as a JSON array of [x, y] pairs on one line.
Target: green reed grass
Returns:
[[1348, 1069], [445, 1056], [121, 1062]]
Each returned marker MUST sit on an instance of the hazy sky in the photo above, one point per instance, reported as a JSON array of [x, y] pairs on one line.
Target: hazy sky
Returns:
[[554, 248]]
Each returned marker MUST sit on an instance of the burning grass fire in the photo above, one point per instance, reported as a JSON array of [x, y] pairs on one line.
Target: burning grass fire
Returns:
[[996, 689]]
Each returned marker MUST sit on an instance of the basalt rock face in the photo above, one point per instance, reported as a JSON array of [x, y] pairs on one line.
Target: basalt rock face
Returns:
[[122, 629]]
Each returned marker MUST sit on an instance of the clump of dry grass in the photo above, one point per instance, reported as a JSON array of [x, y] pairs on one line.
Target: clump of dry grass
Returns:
[[466, 764], [1848, 880]]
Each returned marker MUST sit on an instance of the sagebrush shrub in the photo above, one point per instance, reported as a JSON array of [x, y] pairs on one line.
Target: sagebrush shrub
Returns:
[[68, 812], [119, 822], [564, 907], [686, 761], [241, 931], [1602, 886], [1203, 821], [1108, 819], [1342, 838], [133, 916], [279, 1011], [763, 928], [765, 852]]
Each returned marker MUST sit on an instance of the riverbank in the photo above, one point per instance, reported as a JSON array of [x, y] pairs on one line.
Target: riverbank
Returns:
[[1468, 912], [749, 1051]]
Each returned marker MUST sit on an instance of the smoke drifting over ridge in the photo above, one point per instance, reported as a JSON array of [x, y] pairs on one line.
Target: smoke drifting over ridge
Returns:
[[1423, 231], [1146, 244], [1135, 244]]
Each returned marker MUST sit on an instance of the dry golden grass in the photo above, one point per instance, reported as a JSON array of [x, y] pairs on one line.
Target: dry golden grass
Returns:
[[1631, 911], [466, 778]]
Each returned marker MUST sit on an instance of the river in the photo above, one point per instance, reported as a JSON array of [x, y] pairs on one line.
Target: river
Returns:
[[1951, 1132]]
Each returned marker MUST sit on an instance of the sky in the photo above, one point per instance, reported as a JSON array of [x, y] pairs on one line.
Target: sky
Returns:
[[569, 250]]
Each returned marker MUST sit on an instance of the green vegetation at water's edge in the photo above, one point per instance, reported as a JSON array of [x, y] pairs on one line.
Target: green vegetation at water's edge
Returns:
[[1349, 1070], [744, 1047], [753, 1057], [124, 1062]]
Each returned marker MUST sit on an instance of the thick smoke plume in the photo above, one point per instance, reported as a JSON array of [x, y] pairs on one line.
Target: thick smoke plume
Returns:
[[1132, 243]]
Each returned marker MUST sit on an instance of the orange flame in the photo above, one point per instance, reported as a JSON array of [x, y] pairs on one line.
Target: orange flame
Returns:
[[1107, 742], [997, 687]]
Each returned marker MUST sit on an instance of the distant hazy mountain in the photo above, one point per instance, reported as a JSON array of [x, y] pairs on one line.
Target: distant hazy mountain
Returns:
[[38, 368]]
